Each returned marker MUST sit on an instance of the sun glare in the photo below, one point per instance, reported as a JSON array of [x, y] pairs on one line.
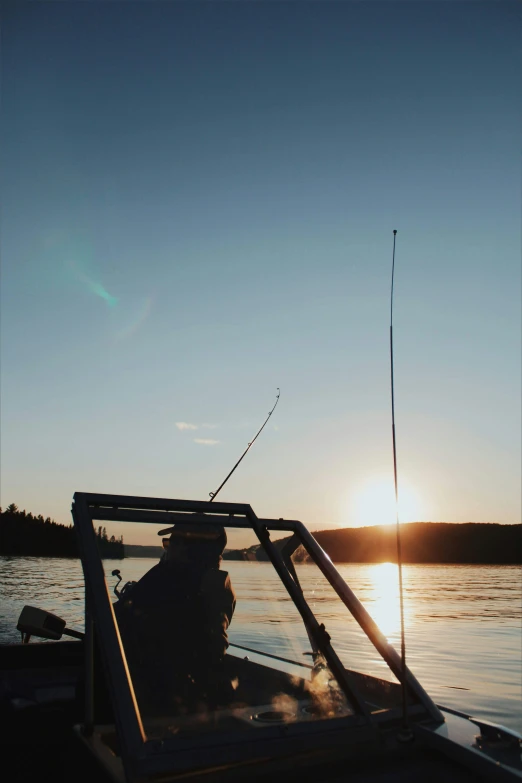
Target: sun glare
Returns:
[[374, 504]]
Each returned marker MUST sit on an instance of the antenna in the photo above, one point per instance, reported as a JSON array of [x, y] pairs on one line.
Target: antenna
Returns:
[[405, 735], [214, 494]]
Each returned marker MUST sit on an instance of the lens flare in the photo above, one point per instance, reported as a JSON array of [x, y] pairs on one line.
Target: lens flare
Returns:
[[98, 290], [68, 258], [91, 285], [137, 320]]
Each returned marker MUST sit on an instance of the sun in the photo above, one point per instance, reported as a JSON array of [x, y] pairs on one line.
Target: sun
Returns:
[[374, 503]]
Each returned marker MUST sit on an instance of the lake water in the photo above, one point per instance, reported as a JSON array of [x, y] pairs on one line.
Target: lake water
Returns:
[[463, 623]]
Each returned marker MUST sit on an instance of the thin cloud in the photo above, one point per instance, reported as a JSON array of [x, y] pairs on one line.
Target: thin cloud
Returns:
[[184, 425], [206, 441], [209, 426]]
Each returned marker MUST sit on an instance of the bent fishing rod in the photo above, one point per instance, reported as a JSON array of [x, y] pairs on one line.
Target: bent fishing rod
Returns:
[[406, 734], [214, 494]]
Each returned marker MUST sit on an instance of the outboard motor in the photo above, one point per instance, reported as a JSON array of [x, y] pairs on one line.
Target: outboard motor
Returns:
[[46, 625]]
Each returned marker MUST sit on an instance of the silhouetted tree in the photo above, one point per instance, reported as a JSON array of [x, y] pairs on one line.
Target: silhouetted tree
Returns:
[[25, 534]]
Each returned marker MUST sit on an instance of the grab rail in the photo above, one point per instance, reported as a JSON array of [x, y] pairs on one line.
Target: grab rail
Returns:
[[270, 655]]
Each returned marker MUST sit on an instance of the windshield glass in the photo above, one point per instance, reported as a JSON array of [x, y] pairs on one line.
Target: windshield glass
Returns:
[[214, 642], [376, 683]]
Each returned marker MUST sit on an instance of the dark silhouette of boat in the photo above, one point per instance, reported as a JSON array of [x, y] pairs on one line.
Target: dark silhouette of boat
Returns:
[[75, 710]]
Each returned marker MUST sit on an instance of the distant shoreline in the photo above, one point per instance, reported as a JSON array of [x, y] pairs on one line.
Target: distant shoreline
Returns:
[[441, 543], [422, 543]]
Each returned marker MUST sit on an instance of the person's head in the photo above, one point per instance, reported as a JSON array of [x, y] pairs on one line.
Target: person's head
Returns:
[[202, 545]]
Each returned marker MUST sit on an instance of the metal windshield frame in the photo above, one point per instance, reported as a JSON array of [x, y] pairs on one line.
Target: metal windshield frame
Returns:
[[136, 750]]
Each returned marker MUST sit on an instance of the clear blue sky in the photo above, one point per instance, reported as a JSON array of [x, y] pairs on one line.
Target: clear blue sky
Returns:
[[197, 208]]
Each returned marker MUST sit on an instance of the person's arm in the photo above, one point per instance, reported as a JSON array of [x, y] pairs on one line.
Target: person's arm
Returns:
[[229, 599]]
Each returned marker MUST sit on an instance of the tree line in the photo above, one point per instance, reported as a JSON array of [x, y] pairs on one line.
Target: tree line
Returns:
[[22, 533], [427, 542]]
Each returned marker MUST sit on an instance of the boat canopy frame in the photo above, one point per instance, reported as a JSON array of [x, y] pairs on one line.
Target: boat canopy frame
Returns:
[[142, 756]]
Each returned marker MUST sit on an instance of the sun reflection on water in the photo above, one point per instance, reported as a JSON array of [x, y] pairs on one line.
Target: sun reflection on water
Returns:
[[384, 605]]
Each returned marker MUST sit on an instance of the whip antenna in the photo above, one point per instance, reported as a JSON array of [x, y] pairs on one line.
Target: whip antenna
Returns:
[[213, 494], [405, 734]]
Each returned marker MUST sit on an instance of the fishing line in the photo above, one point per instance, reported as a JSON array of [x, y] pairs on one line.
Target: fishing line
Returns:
[[214, 494], [406, 734]]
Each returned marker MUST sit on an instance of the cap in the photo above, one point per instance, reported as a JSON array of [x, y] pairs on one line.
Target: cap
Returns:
[[195, 532]]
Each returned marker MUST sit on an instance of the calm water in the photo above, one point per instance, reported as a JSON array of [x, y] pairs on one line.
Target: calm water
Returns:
[[463, 623]]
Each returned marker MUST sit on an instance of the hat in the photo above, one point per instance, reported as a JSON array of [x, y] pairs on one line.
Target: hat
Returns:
[[193, 533]]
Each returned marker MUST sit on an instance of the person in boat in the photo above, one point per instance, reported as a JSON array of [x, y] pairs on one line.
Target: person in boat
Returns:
[[174, 622]]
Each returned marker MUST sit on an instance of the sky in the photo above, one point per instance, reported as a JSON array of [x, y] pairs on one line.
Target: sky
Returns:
[[198, 201]]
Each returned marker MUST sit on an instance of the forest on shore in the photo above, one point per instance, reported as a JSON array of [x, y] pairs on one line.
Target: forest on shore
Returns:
[[23, 534]]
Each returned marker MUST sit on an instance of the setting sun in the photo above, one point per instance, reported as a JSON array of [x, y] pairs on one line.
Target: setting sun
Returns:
[[374, 504]]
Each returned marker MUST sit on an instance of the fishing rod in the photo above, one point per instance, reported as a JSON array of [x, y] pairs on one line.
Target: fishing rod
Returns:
[[214, 494], [406, 734]]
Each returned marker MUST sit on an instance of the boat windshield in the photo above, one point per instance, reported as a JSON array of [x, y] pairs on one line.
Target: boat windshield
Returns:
[[240, 624], [214, 641]]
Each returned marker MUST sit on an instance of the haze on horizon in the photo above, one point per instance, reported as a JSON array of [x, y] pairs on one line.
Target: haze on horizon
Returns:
[[197, 208]]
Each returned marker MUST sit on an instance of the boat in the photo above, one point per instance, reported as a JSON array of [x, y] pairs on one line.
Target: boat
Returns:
[[297, 707]]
